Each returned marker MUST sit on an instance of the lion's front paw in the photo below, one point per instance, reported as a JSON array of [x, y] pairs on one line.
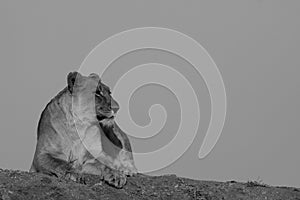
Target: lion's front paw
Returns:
[[128, 170], [76, 177], [115, 178]]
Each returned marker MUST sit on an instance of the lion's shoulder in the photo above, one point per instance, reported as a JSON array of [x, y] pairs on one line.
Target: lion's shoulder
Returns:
[[55, 108]]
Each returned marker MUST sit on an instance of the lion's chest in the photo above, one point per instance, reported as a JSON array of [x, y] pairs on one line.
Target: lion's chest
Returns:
[[86, 145]]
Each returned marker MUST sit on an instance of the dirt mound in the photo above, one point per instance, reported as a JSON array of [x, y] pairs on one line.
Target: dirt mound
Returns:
[[18, 185]]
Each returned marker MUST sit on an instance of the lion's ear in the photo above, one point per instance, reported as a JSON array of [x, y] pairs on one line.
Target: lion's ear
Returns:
[[72, 77], [94, 75]]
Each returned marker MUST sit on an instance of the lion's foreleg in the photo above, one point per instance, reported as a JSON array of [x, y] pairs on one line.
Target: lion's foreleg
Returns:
[[51, 165]]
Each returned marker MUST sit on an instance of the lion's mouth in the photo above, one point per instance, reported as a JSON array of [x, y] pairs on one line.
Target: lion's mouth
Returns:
[[106, 115], [102, 118], [106, 119]]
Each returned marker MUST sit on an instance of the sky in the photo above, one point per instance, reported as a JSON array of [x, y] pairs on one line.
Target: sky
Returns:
[[255, 45]]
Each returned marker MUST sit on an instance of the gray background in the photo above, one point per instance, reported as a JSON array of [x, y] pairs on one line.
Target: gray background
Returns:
[[254, 43]]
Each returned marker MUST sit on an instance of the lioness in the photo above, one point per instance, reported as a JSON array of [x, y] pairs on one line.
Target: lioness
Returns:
[[77, 134]]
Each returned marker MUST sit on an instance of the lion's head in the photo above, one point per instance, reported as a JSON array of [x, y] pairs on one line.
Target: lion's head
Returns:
[[91, 99]]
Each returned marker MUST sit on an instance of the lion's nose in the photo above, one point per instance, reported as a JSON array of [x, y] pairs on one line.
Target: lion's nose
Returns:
[[114, 106]]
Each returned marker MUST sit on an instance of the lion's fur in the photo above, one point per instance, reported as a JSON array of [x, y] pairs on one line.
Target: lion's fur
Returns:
[[70, 138]]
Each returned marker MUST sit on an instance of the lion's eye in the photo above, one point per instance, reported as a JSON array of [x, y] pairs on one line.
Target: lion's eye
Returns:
[[99, 93]]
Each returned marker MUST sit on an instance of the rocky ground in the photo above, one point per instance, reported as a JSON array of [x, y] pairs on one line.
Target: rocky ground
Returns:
[[17, 185]]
